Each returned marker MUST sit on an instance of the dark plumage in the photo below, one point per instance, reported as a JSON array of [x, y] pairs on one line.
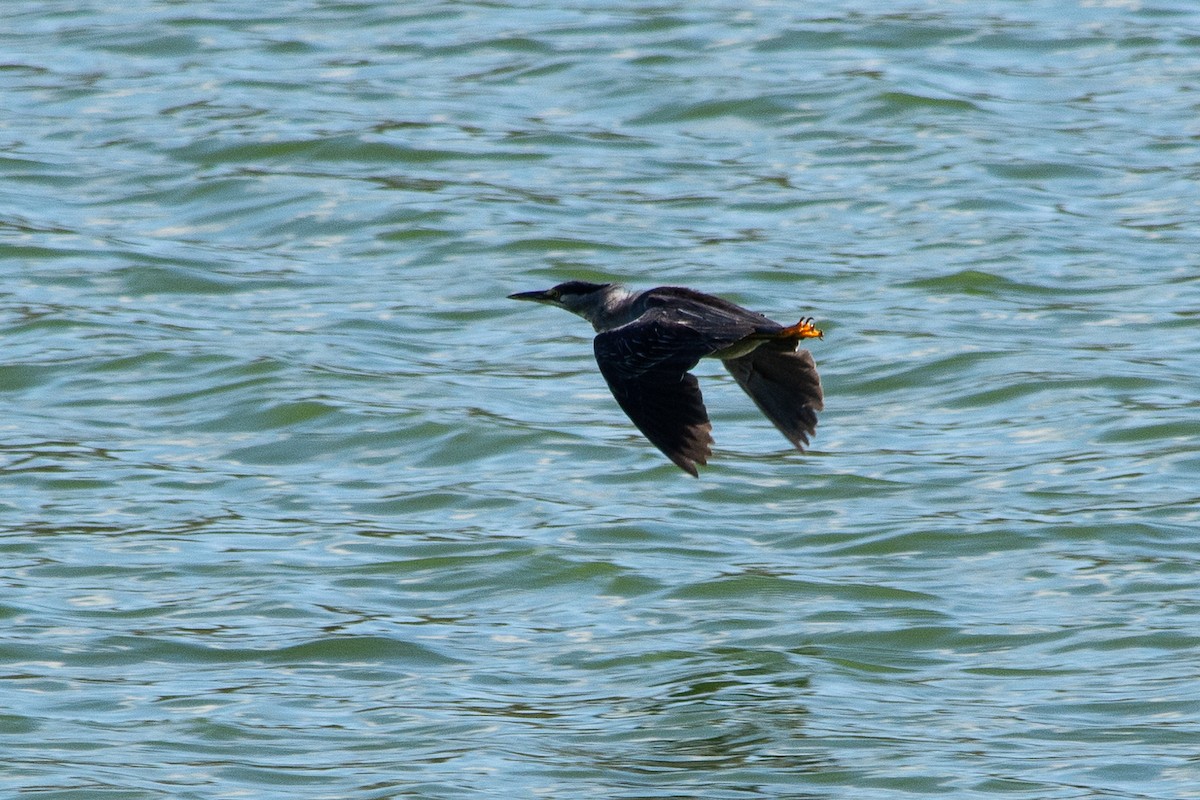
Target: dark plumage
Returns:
[[647, 342]]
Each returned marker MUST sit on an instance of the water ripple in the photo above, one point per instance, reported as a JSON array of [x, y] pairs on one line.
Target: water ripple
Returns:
[[296, 496]]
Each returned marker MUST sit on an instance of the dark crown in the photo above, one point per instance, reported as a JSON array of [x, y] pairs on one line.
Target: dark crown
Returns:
[[579, 287]]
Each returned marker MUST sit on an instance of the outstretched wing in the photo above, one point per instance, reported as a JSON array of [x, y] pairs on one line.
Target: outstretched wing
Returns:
[[784, 385], [646, 365]]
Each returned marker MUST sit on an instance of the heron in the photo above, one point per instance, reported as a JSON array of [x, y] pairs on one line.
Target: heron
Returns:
[[648, 341]]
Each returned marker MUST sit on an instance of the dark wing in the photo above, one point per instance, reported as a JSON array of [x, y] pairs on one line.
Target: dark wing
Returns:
[[716, 316], [646, 365], [782, 381], [784, 384]]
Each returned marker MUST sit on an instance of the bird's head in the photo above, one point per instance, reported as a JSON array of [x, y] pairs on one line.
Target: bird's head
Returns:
[[579, 297]]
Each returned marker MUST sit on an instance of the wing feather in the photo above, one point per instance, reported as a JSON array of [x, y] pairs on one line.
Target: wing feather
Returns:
[[645, 364], [785, 386]]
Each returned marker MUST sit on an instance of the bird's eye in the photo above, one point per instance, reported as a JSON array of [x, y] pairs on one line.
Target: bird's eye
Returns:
[[555, 294]]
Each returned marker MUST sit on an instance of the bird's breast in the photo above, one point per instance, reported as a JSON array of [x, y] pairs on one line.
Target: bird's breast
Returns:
[[740, 348]]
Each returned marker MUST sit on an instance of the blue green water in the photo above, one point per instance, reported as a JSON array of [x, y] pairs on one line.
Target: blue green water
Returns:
[[295, 503]]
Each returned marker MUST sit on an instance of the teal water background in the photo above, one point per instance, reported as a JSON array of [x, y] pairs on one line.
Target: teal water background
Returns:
[[295, 503]]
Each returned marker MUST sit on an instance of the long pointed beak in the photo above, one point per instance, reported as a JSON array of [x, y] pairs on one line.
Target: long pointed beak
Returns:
[[536, 297]]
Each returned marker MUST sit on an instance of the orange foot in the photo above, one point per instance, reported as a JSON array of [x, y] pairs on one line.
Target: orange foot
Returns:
[[804, 329]]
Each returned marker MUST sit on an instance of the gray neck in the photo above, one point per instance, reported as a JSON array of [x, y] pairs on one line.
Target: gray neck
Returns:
[[616, 306]]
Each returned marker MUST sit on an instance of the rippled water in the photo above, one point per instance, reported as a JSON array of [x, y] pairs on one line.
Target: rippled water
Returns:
[[296, 503]]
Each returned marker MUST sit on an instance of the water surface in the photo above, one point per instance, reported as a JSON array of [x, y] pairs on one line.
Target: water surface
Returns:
[[296, 504]]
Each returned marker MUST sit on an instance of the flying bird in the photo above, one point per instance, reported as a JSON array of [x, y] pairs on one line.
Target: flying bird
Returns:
[[646, 343]]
